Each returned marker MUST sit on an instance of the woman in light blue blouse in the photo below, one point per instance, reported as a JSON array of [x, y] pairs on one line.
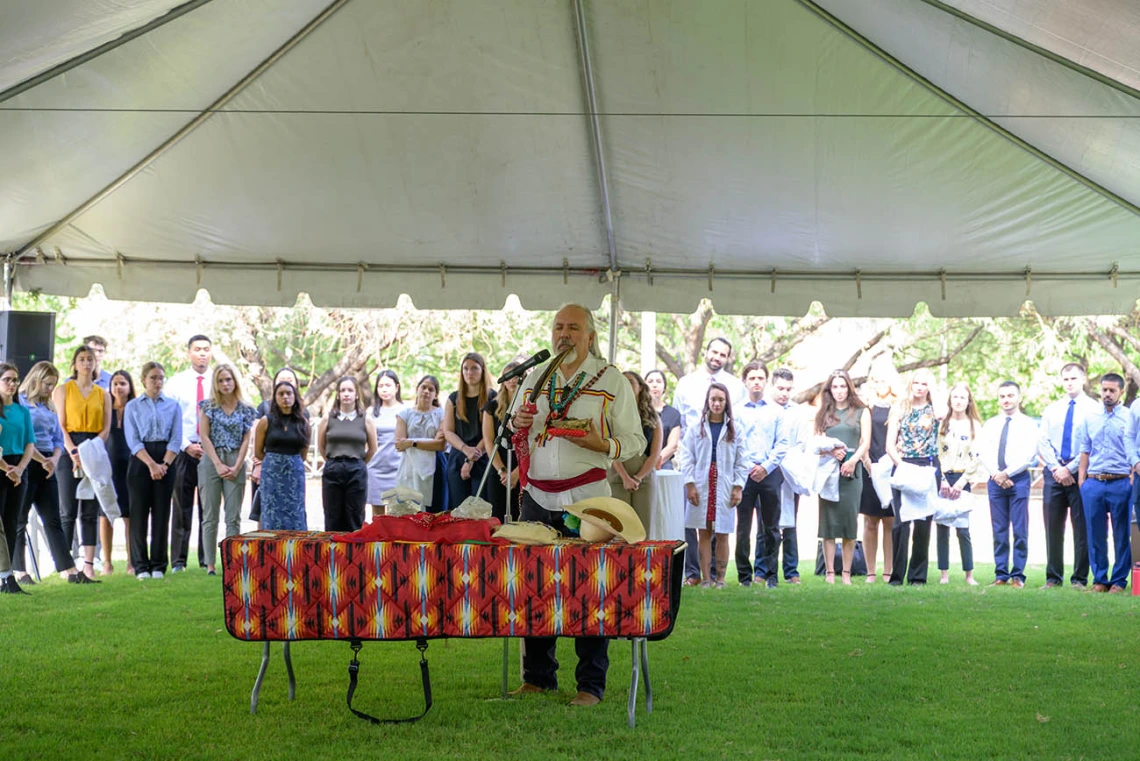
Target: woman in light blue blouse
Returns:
[[224, 422], [152, 424], [42, 491]]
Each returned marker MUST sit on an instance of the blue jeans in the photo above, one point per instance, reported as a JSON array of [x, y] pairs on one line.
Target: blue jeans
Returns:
[[1010, 508], [1104, 500]]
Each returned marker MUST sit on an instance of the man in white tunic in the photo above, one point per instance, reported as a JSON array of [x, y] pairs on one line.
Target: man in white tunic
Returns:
[[564, 470]]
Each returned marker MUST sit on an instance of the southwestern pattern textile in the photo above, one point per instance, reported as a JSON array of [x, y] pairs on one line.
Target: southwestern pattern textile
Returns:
[[299, 585]]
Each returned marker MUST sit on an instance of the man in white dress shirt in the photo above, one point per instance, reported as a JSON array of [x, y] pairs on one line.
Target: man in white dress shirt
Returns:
[[689, 396], [1060, 493], [1008, 448], [689, 399], [564, 470], [188, 388]]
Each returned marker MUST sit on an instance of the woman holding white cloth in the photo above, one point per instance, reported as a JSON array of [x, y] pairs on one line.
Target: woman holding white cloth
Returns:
[[715, 468], [418, 439], [958, 458], [843, 416], [912, 437]]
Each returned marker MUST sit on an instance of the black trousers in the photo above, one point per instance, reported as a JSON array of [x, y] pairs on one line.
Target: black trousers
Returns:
[[150, 507], [70, 508], [540, 664], [344, 489], [459, 489], [1058, 503], [770, 523], [44, 494], [942, 535], [182, 514], [919, 555], [759, 498], [11, 501]]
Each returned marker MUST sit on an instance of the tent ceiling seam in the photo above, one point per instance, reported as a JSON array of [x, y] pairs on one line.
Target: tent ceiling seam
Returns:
[[981, 119], [1056, 58], [90, 55], [186, 129]]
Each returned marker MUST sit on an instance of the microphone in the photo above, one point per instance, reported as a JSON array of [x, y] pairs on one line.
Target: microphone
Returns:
[[521, 370]]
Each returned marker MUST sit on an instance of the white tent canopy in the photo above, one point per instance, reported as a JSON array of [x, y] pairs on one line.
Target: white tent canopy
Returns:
[[867, 154]]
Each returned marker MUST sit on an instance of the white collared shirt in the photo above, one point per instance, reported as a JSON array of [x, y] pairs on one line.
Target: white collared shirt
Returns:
[[1020, 445], [610, 404], [183, 388], [345, 416], [689, 396]]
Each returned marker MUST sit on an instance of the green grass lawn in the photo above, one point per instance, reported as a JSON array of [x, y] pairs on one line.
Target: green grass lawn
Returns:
[[138, 670]]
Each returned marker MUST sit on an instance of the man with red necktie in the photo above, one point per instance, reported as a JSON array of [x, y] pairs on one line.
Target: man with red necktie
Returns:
[[189, 388]]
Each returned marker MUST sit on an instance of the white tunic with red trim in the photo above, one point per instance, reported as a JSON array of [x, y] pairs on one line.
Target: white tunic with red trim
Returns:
[[610, 403]]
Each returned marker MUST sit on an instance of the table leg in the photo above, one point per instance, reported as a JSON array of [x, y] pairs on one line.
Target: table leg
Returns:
[[260, 679], [293, 681], [506, 656], [632, 707], [645, 673]]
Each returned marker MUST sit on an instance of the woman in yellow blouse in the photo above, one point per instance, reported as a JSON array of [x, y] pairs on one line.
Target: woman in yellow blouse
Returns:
[[84, 411], [959, 459]]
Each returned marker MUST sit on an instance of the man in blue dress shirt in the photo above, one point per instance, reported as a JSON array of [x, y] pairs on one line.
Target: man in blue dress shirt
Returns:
[[1060, 495], [762, 426], [98, 347], [1107, 443]]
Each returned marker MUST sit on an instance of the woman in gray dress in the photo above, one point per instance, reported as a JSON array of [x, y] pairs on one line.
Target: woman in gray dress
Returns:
[[842, 415], [383, 466]]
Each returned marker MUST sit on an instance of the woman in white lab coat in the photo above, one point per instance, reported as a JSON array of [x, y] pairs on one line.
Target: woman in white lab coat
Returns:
[[715, 469]]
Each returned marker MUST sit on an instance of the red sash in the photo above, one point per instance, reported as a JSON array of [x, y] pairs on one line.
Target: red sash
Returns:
[[591, 476]]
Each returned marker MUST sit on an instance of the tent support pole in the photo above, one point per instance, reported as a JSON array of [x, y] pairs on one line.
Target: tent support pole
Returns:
[[106, 47], [587, 71], [189, 127], [977, 116], [1056, 58], [615, 307]]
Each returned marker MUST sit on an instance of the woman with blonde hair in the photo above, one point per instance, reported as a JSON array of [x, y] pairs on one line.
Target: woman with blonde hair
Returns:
[[224, 424], [912, 437], [878, 394], [152, 426], [959, 462], [42, 491], [628, 478], [463, 429], [84, 412]]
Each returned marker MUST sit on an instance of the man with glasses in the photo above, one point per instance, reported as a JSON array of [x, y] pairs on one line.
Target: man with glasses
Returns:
[[98, 347]]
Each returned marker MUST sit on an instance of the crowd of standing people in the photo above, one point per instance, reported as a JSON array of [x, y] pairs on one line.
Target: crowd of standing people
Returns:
[[193, 440]]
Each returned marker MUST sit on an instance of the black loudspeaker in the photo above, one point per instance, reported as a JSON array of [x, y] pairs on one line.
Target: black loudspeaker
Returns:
[[27, 338]]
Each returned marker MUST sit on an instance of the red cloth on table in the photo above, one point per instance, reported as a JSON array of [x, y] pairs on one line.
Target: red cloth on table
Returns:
[[440, 528]]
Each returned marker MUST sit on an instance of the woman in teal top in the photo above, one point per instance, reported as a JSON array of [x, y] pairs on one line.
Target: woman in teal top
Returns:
[[17, 441]]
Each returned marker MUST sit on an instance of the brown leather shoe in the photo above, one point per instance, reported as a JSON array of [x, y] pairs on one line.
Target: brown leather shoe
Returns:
[[795, 580], [999, 583], [1017, 583], [1116, 590], [1051, 585], [1100, 587], [526, 688], [585, 699]]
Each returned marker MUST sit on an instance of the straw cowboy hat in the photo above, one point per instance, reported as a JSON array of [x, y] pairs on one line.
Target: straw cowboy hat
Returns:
[[605, 518], [526, 532]]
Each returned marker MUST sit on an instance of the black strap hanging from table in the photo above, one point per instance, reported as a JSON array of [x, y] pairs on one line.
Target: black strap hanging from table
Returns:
[[354, 669]]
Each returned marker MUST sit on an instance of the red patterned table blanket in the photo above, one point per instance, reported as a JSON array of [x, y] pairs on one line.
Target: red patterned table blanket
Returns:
[[299, 585]]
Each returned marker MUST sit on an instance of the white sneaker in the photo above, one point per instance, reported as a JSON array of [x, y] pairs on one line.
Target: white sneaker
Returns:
[[143, 575], [156, 574]]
